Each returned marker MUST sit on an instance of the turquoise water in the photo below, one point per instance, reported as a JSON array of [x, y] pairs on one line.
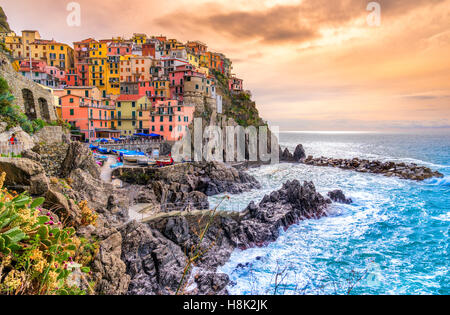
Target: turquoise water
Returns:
[[393, 239]]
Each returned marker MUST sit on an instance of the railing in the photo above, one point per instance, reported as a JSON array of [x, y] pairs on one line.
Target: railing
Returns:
[[6, 148]]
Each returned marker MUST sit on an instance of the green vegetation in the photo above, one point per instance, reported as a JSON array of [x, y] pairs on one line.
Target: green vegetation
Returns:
[[38, 255], [240, 107]]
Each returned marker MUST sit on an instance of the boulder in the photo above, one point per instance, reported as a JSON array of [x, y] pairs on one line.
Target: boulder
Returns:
[[24, 174]]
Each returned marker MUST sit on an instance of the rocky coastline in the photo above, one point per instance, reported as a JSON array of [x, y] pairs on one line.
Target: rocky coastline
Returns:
[[150, 257]]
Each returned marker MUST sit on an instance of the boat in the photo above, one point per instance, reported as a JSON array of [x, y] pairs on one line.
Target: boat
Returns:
[[162, 163], [131, 158], [104, 151]]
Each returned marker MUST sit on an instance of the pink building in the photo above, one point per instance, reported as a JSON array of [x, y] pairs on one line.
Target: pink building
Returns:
[[235, 84], [42, 73], [177, 79], [119, 49], [171, 119], [85, 110]]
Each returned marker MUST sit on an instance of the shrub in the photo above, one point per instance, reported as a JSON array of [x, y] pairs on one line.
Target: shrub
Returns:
[[37, 254]]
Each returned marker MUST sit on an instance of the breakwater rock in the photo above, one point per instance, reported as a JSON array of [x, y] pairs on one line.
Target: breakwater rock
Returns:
[[402, 170]]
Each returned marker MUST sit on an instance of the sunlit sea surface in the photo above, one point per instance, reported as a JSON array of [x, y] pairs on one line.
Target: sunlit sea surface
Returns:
[[393, 239]]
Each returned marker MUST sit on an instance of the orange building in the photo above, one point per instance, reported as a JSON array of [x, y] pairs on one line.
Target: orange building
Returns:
[[90, 114]]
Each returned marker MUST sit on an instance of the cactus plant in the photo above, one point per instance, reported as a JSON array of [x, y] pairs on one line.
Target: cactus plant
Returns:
[[37, 255]]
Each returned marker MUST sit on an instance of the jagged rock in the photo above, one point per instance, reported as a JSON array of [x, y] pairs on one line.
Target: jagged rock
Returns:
[[154, 263], [286, 156], [255, 226], [109, 270], [338, 196], [299, 153], [24, 174], [210, 283], [79, 157], [89, 187]]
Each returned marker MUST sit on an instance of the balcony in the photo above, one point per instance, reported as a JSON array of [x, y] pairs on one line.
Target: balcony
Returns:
[[106, 107]]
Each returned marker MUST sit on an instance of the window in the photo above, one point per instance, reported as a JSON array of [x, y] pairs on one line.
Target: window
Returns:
[[153, 128], [71, 100], [161, 128], [71, 112], [161, 118], [153, 118], [170, 128], [86, 93]]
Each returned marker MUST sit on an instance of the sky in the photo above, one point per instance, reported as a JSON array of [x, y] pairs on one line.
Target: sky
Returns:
[[310, 64]]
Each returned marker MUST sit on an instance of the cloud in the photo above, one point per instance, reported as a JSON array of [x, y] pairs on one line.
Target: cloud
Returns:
[[282, 23]]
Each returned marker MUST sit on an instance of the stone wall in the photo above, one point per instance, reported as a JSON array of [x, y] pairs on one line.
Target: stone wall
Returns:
[[34, 100]]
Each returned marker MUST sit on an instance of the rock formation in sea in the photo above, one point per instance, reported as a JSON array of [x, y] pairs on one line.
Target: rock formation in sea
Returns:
[[402, 170]]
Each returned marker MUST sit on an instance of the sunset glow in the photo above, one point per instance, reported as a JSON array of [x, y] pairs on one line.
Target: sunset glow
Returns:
[[311, 64]]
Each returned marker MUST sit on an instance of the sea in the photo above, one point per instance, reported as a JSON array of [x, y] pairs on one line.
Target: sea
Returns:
[[393, 238]]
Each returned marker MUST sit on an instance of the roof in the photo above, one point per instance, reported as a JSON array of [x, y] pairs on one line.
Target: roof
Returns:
[[130, 97]]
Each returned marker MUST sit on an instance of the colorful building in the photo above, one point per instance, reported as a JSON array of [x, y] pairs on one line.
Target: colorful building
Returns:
[[88, 112], [81, 60], [235, 85], [132, 114], [98, 68], [171, 119], [43, 74]]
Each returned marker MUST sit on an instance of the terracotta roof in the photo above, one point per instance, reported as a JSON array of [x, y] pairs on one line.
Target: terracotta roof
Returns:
[[129, 97]]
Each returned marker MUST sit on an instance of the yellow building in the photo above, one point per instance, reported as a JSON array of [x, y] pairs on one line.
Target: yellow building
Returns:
[[204, 60], [203, 70], [113, 75], [14, 43], [193, 60], [98, 66], [139, 38], [162, 88], [132, 114]]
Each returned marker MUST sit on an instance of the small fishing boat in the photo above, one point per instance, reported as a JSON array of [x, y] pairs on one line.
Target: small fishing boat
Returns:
[[162, 163]]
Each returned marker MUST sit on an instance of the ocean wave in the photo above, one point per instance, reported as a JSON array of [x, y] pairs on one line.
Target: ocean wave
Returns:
[[445, 181]]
